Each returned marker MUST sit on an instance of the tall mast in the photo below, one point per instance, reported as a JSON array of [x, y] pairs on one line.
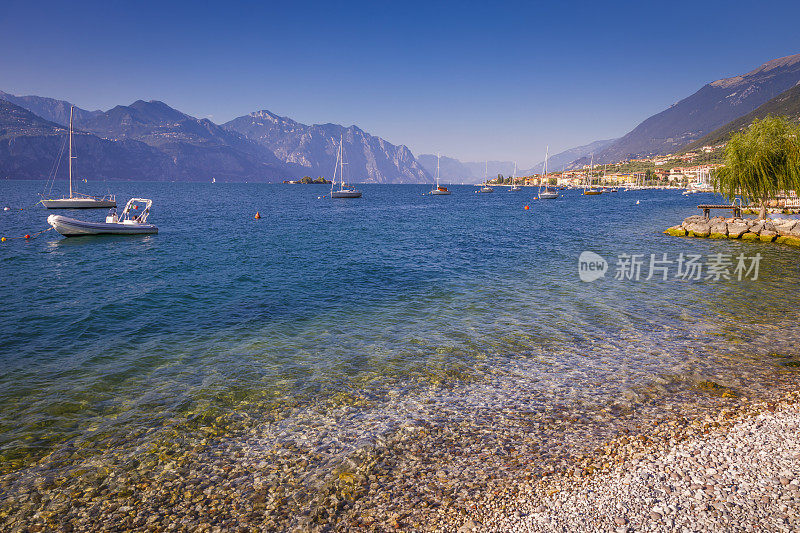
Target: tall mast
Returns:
[[547, 182], [438, 155], [71, 110], [341, 162]]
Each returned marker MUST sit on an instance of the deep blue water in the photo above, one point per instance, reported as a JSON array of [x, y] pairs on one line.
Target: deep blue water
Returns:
[[222, 312]]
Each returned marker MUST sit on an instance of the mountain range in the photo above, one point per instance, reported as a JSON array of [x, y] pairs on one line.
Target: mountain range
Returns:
[[311, 150], [453, 170], [151, 140]]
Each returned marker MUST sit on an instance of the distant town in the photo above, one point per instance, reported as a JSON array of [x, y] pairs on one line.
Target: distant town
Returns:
[[677, 170]]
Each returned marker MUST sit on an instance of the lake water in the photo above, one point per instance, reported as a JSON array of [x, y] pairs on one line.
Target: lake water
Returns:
[[331, 327]]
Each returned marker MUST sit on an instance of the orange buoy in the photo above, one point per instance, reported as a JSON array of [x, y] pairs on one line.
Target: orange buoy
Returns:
[[258, 215], [27, 236], [136, 207], [527, 207], [3, 239]]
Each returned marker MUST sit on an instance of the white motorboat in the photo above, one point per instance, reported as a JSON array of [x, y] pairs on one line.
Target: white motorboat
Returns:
[[547, 194], [344, 191], [133, 221], [76, 200], [439, 190]]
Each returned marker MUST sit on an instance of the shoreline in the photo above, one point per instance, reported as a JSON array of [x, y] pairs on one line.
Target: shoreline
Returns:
[[736, 469]]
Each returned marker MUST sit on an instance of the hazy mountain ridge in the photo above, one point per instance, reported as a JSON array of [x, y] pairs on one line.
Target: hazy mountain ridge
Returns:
[[711, 107], [453, 170], [30, 147], [311, 149], [175, 146], [50, 109]]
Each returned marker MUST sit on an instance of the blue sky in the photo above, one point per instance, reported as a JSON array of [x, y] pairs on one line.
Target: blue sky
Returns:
[[473, 80]]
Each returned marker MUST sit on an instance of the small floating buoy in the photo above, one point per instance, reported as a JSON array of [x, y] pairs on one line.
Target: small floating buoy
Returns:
[[27, 236], [527, 207], [3, 239], [258, 215], [6, 209], [136, 207], [535, 197], [637, 202]]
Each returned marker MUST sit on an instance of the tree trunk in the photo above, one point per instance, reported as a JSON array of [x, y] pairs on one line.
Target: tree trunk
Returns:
[[762, 213]]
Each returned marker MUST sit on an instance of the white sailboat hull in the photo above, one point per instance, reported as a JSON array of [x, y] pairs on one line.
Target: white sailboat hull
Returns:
[[70, 227], [548, 195], [438, 191], [346, 194], [486, 190], [78, 203]]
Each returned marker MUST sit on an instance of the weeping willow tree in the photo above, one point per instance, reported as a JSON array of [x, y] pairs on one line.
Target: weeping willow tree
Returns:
[[761, 162]]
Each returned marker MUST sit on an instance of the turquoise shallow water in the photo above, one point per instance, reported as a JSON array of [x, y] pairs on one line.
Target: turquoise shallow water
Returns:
[[105, 339]]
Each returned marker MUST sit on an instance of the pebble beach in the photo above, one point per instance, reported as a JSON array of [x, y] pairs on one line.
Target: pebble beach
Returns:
[[742, 473]]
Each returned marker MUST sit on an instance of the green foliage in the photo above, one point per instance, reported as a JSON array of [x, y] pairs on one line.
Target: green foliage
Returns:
[[761, 162], [306, 179]]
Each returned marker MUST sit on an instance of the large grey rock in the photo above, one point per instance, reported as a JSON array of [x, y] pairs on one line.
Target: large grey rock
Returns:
[[698, 229], [736, 230], [719, 227], [784, 225], [694, 219]]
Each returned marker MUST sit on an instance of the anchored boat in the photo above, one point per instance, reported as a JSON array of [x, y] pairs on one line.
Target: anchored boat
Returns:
[[133, 221], [514, 186], [547, 194], [439, 190], [76, 200], [486, 188], [588, 188], [344, 191]]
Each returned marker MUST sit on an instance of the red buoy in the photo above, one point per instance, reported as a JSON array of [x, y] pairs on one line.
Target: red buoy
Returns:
[[27, 236], [527, 207], [258, 215]]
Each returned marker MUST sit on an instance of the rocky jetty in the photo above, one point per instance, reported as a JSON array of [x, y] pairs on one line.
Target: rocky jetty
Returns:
[[781, 230]]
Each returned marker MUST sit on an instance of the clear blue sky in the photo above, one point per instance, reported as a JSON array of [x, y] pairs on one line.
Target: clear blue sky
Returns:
[[474, 80]]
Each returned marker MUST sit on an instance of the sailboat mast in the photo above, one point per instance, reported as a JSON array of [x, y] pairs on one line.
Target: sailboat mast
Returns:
[[547, 182], [438, 155], [71, 111]]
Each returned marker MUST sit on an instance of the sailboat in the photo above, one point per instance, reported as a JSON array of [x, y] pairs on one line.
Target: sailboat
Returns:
[[587, 188], [76, 200], [343, 192], [514, 186], [486, 188], [439, 189], [547, 194]]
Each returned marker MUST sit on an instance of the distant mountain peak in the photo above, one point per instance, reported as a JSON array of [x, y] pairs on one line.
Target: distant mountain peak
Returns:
[[711, 107], [765, 69]]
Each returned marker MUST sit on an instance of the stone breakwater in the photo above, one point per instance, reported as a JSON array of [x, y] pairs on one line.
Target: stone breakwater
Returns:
[[740, 473], [781, 230]]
